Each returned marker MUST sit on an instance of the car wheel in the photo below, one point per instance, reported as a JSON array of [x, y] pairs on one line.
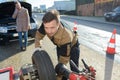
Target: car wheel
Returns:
[[44, 65]]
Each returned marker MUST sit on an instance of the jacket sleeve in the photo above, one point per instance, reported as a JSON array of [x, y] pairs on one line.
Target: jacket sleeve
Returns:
[[15, 13], [40, 33], [27, 19], [38, 37]]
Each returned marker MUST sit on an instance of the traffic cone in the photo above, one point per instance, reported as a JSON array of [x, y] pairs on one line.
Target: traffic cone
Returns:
[[111, 45], [75, 27]]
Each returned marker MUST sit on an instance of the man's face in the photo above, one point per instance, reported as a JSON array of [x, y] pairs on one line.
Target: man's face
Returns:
[[51, 28]]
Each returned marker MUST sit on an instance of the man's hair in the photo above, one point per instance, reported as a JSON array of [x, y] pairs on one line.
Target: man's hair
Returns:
[[51, 15]]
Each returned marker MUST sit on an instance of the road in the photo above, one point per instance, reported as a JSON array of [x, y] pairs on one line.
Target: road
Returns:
[[93, 34], [96, 35], [94, 38]]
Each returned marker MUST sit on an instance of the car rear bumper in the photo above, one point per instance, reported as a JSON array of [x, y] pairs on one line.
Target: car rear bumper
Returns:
[[7, 37], [12, 36]]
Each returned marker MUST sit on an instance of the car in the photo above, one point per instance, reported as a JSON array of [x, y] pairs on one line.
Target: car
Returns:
[[8, 24], [114, 15]]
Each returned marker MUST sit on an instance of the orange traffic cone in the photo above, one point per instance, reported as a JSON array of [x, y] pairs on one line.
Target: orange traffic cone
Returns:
[[111, 44], [75, 27]]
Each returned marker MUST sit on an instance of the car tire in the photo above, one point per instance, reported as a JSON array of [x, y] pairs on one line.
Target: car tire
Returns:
[[44, 65]]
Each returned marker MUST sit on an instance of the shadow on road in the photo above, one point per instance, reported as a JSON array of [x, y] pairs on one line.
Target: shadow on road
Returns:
[[11, 49]]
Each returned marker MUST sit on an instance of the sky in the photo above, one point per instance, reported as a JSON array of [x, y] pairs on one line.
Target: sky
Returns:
[[37, 3]]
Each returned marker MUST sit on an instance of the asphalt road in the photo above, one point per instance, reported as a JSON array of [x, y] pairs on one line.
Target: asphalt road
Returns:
[[10, 55]]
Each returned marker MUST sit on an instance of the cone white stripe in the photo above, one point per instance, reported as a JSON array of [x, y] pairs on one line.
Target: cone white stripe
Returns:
[[113, 36], [112, 45]]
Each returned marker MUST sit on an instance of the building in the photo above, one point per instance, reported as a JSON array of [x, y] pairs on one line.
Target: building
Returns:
[[65, 5], [95, 7], [35, 9], [85, 7], [43, 8]]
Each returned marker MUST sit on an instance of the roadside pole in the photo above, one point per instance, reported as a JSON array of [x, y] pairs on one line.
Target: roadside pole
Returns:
[[110, 54]]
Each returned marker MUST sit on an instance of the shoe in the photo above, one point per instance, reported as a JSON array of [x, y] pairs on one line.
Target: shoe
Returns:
[[21, 48], [24, 49]]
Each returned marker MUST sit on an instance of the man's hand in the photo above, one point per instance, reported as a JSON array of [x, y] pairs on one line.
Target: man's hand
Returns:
[[15, 13]]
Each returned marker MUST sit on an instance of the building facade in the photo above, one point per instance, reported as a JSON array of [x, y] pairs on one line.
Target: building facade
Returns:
[[64, 5], [95, 7]]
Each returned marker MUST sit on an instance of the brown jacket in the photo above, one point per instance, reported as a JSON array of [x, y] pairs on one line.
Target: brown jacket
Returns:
[[64, 39], [22, 19]]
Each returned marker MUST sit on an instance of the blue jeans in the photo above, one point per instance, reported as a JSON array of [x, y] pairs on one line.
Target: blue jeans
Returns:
[[25, 35]]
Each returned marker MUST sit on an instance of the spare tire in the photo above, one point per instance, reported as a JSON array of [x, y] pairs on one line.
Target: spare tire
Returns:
[[44, 65]]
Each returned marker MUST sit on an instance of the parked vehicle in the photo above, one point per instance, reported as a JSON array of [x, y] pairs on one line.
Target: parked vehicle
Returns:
[[8, 24], [114, 15]]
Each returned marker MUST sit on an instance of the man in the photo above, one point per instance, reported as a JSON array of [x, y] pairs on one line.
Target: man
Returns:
[[23, 23], [65, 40]]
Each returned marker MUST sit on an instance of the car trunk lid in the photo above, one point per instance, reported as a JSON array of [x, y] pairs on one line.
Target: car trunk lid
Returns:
[[7, 9]]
